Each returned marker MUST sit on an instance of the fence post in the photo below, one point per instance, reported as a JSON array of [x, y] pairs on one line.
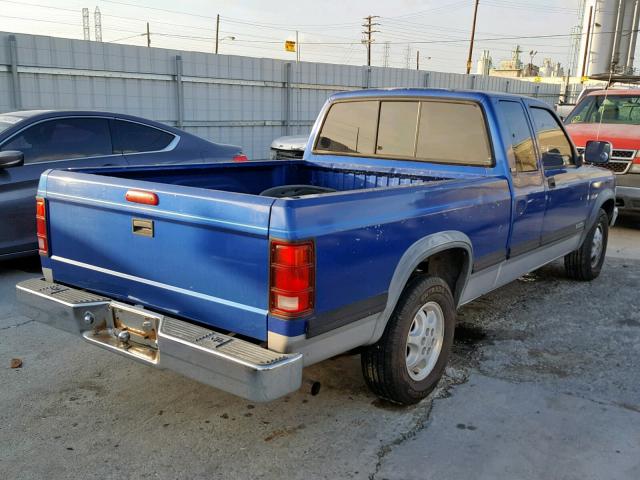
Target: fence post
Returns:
[[15, 81], [506, 88], [179, 91], [473, 82], [537, 91], [426, 79], [287, 98]]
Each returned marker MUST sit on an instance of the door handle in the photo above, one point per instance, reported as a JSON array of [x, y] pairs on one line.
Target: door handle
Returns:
[[551, 182]]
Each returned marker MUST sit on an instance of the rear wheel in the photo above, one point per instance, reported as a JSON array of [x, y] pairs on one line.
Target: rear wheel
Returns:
[[585, 263], [405, 365]]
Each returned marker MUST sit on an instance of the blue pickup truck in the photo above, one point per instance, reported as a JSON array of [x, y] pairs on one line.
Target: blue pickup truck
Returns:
[[408, 203]]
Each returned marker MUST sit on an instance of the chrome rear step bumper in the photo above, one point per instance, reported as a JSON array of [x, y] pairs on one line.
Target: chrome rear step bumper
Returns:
[[230, 364]]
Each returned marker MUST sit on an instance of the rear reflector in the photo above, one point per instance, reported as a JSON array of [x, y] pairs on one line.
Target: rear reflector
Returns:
[[140, 196], [241, 157], [41, 226], [291, 290]]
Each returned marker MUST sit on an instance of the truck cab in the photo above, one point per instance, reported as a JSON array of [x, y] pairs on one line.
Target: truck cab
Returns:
[[613, 116]]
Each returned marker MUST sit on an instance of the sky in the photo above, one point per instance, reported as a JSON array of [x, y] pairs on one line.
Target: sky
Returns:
[[329, 31]]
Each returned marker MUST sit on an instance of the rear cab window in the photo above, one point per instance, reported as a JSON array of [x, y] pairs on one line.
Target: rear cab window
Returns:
[[430, 130]]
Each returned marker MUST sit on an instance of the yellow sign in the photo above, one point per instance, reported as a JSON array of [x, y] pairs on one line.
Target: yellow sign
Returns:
[[290, 46], [537, 80]]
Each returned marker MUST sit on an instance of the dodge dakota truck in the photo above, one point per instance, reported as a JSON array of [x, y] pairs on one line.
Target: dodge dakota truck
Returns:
[[408, 203]]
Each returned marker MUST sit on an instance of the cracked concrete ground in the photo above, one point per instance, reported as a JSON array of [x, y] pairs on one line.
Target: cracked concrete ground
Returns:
[[544, 383]]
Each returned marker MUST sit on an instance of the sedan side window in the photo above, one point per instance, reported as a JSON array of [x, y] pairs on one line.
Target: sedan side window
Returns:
[[62, 139], [131, 137]]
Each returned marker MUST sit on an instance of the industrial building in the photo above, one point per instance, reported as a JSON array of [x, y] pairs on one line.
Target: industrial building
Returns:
[[608, 37]]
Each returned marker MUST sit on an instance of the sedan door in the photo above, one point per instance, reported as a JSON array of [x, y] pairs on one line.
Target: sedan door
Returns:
[[69, 142]]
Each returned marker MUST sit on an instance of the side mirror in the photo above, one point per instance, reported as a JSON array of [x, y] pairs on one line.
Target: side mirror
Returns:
[[11, 158], [552, 160], [597, 153]]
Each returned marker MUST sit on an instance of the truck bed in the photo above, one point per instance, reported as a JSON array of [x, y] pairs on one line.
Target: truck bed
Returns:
[[257, 177], [205, 256]]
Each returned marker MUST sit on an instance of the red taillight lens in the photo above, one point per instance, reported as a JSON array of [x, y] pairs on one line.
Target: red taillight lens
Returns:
[[140, 196], [292, 278], [241, 157], [41, 226]]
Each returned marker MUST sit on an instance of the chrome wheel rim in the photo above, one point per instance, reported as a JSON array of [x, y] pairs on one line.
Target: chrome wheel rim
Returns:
[[596, 246], [424, 341]]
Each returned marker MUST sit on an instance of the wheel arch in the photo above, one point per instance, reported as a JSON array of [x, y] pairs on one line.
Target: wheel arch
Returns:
[[447, 254]]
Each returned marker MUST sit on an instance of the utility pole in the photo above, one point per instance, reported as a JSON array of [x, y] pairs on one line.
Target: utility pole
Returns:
[[148, 36], [417, 59], [473, 34], [217, 31], [587, 45], [368, 25]]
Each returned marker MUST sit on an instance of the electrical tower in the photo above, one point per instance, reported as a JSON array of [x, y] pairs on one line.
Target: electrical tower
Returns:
[[97, 18], [385, 55], [576, 36], [367, 40], [85, 24], [408, 57]]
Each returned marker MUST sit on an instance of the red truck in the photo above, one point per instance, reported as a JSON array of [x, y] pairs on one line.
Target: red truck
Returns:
[[613, 116]]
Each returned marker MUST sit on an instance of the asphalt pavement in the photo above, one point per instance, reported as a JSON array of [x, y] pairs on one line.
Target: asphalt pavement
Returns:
[[544, 383]]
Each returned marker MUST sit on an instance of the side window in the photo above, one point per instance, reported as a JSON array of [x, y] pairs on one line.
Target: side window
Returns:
[[62, 139], [131, 137], [517, 135], [453, 132], [350, 127], [551, 138], [397, 128]]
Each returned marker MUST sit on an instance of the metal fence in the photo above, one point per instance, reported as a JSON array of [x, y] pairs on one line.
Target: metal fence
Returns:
[[225, 98]]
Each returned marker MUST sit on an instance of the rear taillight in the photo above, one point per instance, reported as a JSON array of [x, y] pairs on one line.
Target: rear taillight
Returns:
[[241, 157], [41, 226], [293, 272]]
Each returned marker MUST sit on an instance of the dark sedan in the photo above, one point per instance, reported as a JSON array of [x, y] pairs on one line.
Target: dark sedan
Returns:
[[34, 141]]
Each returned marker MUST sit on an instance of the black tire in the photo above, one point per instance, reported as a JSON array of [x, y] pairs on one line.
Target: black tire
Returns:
[[581, 264], [384, 364]]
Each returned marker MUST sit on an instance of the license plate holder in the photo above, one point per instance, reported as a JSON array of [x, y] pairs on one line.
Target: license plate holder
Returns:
[[142, 325]]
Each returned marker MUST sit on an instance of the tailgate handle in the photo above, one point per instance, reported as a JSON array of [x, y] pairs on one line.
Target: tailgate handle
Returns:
[[140, 226]]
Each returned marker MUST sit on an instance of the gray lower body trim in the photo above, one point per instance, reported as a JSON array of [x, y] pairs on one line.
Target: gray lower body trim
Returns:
[[491, 278], [328, 344], [345, 315]]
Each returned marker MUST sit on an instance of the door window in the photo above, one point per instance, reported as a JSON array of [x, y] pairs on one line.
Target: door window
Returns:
[[515, 129], [551, 138], [62, 139], [131, 137], [350, 127]]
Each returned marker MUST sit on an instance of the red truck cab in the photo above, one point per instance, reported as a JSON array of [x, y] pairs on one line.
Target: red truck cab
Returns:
[[613, 116]]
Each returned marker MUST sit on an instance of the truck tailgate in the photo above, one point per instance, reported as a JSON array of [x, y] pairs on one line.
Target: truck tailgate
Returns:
[[198, 254]]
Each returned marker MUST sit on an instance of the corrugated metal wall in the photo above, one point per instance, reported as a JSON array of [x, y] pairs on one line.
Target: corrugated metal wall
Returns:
[[231, 99]]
